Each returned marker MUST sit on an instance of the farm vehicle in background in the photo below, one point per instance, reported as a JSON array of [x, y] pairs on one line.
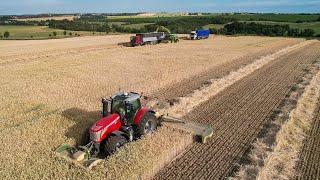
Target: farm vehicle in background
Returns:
[[161, 34], [199, 34]]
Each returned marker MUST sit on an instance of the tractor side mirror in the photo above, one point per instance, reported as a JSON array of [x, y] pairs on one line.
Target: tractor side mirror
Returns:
[[106, 107]]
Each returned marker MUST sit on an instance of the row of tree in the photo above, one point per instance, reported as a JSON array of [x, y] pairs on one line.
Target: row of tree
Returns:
[[6, 34], [232, 28], [186, 25], [264, 29], [176, 25], [79, 25]]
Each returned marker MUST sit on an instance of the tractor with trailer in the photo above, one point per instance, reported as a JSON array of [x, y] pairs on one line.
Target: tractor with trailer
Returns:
[[162, 34], [147, 38], [199, 34], [123, 120]]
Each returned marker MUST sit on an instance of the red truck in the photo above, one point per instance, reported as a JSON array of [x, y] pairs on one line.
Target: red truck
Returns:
[[147, 38]]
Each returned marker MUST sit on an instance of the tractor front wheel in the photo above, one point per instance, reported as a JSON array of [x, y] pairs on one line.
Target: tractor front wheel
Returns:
[[147, 125], [114, 143]]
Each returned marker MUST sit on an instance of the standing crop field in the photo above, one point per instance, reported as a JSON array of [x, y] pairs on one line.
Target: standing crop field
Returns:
[[51, 90]]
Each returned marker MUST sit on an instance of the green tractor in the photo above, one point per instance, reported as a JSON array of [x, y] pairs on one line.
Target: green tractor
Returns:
[[173, 38]]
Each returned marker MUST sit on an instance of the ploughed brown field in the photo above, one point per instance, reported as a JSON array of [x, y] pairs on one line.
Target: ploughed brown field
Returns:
[[50, 92]]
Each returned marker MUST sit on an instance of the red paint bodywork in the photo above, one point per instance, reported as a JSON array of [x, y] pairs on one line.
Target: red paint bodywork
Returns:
[[102, 128], [139, 115], [138, 40]]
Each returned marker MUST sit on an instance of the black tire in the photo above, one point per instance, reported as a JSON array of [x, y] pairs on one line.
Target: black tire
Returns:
[[113, 143], [147, 125], [85, 137]]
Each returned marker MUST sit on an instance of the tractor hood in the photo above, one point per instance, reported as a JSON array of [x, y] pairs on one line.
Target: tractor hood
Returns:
[[102, 128], [105, 122]]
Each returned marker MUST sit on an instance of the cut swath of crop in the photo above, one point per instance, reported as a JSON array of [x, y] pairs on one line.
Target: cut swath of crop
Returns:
[[196, 98], [309, 158], [186, 104], [238, 113], [75, 73], [281, 162], [145, 157], [251, 162]]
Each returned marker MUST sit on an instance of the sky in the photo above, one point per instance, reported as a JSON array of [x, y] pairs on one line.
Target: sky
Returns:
[[11, 7]]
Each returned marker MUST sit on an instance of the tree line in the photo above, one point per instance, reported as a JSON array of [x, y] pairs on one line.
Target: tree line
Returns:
[[252, 28], [79, 25], [179, 24], [232, 28]]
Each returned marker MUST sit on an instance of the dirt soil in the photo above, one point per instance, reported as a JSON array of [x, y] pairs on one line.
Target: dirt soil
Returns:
[[237, 115]]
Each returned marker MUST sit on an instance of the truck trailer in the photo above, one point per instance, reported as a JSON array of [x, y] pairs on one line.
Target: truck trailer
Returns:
[[200, 34], [147, 38]]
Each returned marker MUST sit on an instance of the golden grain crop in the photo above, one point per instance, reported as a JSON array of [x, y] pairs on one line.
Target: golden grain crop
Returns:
[[50, 91]]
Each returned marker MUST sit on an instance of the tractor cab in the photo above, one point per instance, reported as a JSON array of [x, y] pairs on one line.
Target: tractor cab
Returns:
[[126, 105], [136, 40]]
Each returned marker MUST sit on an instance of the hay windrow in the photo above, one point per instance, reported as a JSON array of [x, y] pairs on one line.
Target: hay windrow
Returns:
[[186, 104], [145, 157], [252, 161], [281, 162], [71, 75]]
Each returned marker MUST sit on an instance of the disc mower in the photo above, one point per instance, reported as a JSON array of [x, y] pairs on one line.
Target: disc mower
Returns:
[[123, 120]]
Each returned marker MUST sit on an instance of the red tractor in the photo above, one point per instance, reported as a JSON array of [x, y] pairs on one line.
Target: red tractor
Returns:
[[123, 120]]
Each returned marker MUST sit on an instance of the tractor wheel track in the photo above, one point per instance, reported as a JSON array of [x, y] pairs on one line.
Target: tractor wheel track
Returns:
[[231, 125], [238, 114], [187, 86], [309, 164]]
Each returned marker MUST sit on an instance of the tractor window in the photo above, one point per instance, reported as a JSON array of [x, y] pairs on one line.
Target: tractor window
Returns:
[[136, 104], [116, 105]]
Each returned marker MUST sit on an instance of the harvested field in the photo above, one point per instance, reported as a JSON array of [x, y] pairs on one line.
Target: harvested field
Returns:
[[309, 164], [238, 114], [281, 162], [51, 90], [59, 75], [251, 163]]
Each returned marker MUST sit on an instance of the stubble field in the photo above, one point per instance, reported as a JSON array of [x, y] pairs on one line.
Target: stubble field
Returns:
[[51, 92]]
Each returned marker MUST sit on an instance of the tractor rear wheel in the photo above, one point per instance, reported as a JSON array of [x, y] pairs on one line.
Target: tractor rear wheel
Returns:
[[114, 143], [147, 125]]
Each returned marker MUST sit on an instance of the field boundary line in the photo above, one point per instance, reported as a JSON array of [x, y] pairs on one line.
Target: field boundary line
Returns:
[[281, 162], [186, 104]]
